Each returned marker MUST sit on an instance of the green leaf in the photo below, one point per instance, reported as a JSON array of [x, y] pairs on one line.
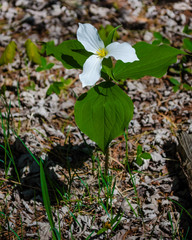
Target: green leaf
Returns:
[[158, 35], [102, 230], [154, 61], [3, 90], [188, 70], [165, 41], [139, 149], [55, 87], [49, 66], [103, 113], [8, 54], [43, 62], [160, 39], [44, 65], [39, 69], [111, 35], [66, 82], [71, 53], [139, 161], [32, 52], [174, 81], [187, 30], [175, 88], [31, 86], [106, 71], [108, 33], [145, 155], [187, 87], [187, 43], [156, 42]]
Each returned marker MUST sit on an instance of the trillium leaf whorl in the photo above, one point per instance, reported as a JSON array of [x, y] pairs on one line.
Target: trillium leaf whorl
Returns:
[[90, 39], [103, 113]]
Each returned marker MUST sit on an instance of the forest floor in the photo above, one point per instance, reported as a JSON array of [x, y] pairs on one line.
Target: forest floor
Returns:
[[158, 205]]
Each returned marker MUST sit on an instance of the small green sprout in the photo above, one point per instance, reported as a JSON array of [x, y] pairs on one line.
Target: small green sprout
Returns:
[[56, 87], [178, 85], [44, 66], [141, 155], [159, 39]]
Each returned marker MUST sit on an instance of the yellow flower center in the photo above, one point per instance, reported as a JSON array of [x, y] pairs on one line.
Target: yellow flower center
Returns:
[[102, 52]]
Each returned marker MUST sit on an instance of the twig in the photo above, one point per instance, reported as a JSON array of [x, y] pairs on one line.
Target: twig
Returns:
[[182, 34]]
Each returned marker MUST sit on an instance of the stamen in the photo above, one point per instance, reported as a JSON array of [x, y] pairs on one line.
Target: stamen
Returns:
[[102, 52]]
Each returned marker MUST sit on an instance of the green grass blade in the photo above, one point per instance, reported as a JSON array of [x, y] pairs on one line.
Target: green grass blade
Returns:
[[90, 235], [46, 199], [187, 233], [118, 221], [102, 230], [180, 207], [6, 151], [75, 219], [103, 205], [58, 236], [17, 236]]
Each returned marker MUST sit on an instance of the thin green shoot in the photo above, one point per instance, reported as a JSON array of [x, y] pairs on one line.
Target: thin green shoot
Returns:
[[177, 225], [187, 233], [172, 227], [85, 185], [106, 162], [6, 151], [78, 206], [46, 201], [116, 220], [64, 196], [180, 207], [93, 165], [17, 236], [129, 170], [69, 182], [73, 216], [107, 185], [59, 222], [103, 206], [7, 147], [99, 181], [136, 215], [68, 201], [57, 234], [19, 102], [90, 235], [112, 191]]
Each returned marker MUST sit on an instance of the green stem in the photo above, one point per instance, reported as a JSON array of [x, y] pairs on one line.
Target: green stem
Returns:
[[106, 162]]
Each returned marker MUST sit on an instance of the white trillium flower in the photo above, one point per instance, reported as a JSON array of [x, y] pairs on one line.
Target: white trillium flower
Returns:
[[90, 39]]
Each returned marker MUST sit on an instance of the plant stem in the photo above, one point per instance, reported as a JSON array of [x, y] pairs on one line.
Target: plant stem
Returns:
[[106, 162]]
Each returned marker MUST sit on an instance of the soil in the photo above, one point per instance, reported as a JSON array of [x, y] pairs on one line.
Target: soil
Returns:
[[45, 126]]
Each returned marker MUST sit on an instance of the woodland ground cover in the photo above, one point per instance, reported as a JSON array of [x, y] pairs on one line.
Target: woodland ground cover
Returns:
[[143, 193]]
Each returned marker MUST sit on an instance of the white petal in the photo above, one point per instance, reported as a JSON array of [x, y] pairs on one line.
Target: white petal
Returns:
[[91, 71], [89, 37], [122, 51]]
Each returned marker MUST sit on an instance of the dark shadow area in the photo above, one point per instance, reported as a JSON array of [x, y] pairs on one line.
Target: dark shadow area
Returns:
[[179, 189], [70, 60], [68, 157], [162, 2]]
